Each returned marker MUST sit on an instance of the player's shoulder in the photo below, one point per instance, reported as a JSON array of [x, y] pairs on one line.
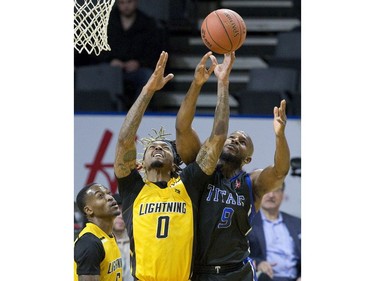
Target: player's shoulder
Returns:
[[89, 248], [255, 172], [88, 242], [87, 239]]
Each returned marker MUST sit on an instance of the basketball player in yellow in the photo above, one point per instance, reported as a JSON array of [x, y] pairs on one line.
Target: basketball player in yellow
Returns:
[[160, 211], [96, 254]]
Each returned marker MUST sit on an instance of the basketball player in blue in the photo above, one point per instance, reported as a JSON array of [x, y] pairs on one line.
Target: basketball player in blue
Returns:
[[231, 200], [160, 211]]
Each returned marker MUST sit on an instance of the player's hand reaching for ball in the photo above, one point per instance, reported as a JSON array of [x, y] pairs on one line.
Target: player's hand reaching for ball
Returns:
[[157, 79], [202, 74], [223, 70], [279, 120]]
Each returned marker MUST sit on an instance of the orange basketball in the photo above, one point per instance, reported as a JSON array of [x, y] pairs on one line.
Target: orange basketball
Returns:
[[223, 31]]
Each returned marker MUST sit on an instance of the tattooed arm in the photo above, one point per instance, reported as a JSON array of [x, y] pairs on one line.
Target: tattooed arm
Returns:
[[126, 153], [187, 140], [211, 149]]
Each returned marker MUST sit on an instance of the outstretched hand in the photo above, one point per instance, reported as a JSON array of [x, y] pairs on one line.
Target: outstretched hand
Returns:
[[202, 74], [279, 120], [157, 79], [223, 70]]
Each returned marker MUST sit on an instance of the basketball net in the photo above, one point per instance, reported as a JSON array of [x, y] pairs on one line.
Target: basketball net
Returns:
[[90, 25]]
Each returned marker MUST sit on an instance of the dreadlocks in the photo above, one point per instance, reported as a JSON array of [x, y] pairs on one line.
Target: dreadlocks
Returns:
[[161, 136]]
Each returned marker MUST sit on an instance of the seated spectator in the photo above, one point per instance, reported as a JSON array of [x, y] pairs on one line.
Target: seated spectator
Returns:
[[123, 242], [136, 41], [275, 241]]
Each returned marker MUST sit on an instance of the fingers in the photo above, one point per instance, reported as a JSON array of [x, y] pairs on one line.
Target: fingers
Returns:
[[229, 58], [280, 112], [228, 61], [233, 56], [214, 60], [269, 270], [162, 60], [213, 65], [266, 268], [169, 77], [165, 59], [205, 58]]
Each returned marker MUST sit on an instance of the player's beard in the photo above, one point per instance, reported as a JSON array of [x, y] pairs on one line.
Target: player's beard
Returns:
[[230, 159], [156, 164]]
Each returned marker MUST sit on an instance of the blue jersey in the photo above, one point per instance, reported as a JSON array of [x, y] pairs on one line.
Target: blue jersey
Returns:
[[226, 210]]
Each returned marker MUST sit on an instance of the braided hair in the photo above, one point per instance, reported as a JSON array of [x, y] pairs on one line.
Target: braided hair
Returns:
[[161, 136]]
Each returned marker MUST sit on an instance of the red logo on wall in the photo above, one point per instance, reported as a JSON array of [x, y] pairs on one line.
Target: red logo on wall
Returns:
[[99, 167]]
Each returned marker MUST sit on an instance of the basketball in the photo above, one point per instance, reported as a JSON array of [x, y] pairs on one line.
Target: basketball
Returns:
[[223, 31]]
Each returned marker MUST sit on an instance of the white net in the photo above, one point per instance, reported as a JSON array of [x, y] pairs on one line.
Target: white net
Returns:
[[90, 25]]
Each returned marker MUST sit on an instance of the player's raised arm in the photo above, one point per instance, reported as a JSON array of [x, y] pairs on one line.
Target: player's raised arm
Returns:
[[126, 153], [210, 151], [187, 140], [274, 175]]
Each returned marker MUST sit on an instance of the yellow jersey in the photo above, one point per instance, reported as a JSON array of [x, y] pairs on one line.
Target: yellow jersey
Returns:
[[96, 253], [160, 219]]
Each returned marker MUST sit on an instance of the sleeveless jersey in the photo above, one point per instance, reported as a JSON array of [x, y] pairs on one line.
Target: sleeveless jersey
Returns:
[[96, 253], [161, 223], [226, 211]]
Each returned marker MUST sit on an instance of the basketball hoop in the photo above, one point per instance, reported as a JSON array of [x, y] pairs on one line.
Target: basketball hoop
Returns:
[[90, 25]]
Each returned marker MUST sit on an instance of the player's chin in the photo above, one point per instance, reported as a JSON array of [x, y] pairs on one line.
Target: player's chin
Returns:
[[229, 153], [157, 163]]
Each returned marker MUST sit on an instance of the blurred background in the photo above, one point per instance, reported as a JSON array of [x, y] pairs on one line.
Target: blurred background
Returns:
[[267, 67]]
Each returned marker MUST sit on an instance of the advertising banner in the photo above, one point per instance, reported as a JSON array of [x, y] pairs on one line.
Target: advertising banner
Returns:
[[95, 138]]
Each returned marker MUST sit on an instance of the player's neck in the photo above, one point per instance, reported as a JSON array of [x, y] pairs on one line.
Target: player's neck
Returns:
[[155, 175], [105, 225], [229, 170]]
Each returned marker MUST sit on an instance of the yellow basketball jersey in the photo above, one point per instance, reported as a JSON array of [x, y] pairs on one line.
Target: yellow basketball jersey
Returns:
[[163, 223], [111, 265]]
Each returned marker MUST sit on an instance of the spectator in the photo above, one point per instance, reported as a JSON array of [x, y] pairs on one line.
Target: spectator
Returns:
[[136, 40], [275, 240], [123, 242]]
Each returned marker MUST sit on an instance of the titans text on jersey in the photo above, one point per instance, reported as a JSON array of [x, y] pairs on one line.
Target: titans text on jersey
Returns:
[[215, 194]]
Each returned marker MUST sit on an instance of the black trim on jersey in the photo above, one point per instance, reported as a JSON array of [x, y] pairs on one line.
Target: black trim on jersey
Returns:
[[195, 181], [192, 176], [88, 254]]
